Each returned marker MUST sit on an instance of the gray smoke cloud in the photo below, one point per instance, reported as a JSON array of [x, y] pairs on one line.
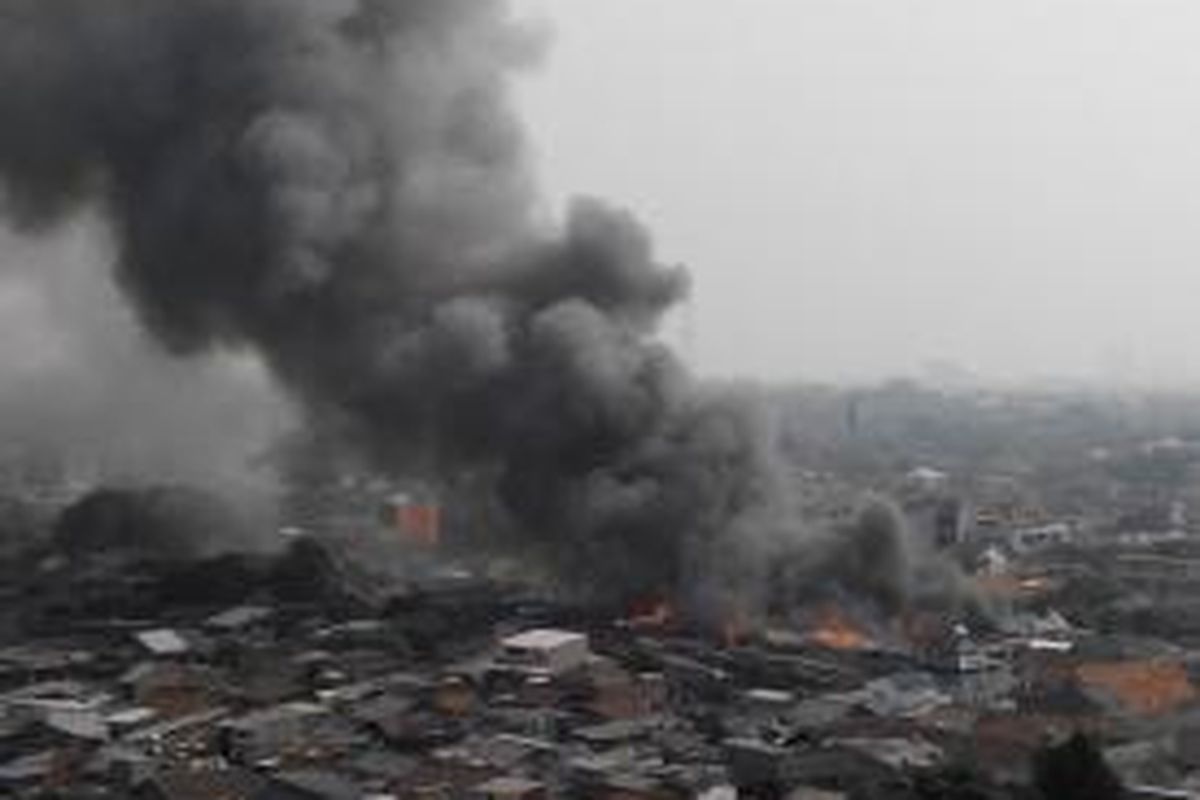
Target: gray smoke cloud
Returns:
[[342, 189], [878, 568], [82, 385], [874, 556]]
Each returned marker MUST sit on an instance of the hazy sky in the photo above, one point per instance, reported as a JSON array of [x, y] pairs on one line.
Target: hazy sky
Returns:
[[863, 186]]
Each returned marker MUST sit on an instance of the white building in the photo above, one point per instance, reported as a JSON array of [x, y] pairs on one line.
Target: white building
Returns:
[[164, 642], [546, 650]]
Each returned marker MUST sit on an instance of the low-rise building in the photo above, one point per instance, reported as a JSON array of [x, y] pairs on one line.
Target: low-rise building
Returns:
[[545, 650]]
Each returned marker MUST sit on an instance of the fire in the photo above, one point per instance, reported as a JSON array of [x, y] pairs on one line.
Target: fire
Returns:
[[835, 631]]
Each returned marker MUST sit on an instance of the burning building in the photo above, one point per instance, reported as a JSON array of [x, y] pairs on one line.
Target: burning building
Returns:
[[343, 190]]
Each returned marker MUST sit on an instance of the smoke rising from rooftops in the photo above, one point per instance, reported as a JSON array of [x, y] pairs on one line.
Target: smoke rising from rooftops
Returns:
[[342, 188]]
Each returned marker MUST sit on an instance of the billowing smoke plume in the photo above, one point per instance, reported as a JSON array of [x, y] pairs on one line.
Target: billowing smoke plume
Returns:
[[878, 567], [873, 557], [340, 186], [84, 395]]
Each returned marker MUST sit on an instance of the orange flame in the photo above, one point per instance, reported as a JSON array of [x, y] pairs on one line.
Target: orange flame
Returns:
[[835, 631]]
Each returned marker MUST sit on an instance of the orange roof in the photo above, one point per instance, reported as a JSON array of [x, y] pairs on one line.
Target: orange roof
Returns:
[[1012, 586], [419, 524], [1144, 687]]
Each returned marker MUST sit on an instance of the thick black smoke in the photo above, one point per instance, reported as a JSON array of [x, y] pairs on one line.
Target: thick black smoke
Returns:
[[167, 522], [341, 186]]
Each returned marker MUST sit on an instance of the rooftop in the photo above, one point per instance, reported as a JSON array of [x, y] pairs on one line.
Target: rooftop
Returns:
[[543, 639]]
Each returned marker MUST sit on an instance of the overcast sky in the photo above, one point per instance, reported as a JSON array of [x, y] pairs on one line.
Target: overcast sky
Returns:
[[861, 187]]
